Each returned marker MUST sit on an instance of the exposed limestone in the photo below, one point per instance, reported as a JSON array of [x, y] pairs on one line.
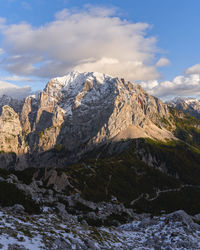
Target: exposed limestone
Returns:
[[53, 179], [187, 105], [10, 131], [76, 112]]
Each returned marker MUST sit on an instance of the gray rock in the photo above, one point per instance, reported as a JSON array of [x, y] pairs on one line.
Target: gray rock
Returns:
[[16, 247], [63, 213], [50, 192], [60, 207], [1, 179], [14, 178], [18, 208], [39, 183], [29, 190], [184, 218], [91, 244], [147, 221], [61, 244], [197, 217]]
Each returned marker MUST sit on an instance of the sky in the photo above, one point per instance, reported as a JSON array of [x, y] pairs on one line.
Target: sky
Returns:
[[151, 42]]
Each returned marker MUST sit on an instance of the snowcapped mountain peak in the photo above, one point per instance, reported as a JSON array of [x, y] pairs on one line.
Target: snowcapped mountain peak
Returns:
[[186, 100], [188, 105], [76, 78], [16, 104], [76, 82], [75, 88], [191, 100]]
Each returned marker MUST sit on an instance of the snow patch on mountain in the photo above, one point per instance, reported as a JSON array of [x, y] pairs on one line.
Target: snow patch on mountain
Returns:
[[77, 78], [188, 105], [187, 100], [72, 90]]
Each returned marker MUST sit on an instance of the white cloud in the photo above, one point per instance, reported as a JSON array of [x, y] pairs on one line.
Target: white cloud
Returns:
[[2, 22], [14, 90], [1, 51], [162, 62], [183, 85], [91, 40], [16, 78], [149, 84], [195, 69]]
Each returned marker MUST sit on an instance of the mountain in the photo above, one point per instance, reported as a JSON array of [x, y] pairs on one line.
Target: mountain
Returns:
[[187, 105], [76, 113], [90, 139]]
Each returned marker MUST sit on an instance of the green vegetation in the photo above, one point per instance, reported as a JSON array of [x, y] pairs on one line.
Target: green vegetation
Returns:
[[11, 195], [26, 175], [180, 159], [7, 139], [40, 134], [187, 199], [58, 147], [4, 173], [126, 176], [24, 133], [187, 128]]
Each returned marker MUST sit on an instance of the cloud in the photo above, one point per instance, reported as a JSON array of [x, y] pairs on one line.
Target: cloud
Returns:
[[1, 51], [195, 69], [16, 78], [14, 90], [94, 39], [2, 22], [162, 62], [183, 85]]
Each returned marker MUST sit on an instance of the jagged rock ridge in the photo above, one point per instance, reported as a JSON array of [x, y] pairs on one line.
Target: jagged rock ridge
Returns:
[[187, 105], [78, 111]]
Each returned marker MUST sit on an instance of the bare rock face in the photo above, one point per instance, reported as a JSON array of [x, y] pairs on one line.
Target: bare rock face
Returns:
[[97, 108], [10, 130], [28, 114], [16, 104], [52, 178], [187, 105], [77, 112]]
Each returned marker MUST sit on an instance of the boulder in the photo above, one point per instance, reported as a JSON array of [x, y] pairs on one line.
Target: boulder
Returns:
[[182, 217], [16, 247]]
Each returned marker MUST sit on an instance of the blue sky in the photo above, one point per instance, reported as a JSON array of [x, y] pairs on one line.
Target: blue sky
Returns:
[[174, 25]]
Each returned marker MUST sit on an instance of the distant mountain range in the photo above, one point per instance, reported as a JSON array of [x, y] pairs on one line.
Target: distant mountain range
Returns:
[[188, 105]]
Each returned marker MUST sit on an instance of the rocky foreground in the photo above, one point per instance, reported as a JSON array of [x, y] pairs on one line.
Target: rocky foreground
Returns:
[[51, 230], [48, 219]]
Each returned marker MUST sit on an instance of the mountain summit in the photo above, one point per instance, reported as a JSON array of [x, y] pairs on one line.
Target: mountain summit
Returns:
[[187, 105], [79, 111]]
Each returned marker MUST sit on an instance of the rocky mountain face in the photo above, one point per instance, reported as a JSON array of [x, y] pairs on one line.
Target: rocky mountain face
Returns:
[[84, 158], [75, 113], [188, 105]]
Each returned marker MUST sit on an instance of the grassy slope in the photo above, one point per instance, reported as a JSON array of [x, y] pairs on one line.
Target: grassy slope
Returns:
[[126, 176]]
